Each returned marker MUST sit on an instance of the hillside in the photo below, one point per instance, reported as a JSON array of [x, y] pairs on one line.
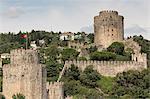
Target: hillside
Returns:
[[89, 83]]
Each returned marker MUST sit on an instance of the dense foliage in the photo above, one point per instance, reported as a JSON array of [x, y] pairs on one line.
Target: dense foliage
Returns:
[[101, 56], [117, 48], [81, 83], [133, 83], [69, 54]]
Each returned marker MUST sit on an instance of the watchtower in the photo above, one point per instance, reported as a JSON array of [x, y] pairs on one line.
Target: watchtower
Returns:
[[108, 28]]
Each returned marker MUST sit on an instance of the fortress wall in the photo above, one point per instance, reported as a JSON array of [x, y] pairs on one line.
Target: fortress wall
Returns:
[[11, 81], [19, 56], [24, 75], [55, 90], [108, 68]]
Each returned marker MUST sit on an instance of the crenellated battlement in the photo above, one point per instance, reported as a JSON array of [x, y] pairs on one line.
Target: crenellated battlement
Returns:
[[55, 90], [108, 12], [108, 68], [54, 84], [99, 62], [20, 56]]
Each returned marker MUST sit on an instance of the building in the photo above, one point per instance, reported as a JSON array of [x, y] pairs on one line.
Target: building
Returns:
[[33, 45], [5, 55], [67, 36], [108, 28]]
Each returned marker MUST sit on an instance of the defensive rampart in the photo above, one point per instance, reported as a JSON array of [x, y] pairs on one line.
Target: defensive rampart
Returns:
[[108, 68], [55, 90]]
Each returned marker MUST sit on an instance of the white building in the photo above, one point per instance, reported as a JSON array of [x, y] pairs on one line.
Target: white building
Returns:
[[33, 45], [5, 55], [67, 36]]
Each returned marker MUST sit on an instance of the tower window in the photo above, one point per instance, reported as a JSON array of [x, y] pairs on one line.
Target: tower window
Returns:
[[136, 59], [112, 34], [112, 30]]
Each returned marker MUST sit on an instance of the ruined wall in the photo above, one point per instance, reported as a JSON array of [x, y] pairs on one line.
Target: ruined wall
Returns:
[[108, 28], [130, 43], [24, 75], [108, 68], [55, 90]]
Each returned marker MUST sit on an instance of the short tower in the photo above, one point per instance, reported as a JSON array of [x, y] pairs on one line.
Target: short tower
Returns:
[[108, 28], [55, 90]]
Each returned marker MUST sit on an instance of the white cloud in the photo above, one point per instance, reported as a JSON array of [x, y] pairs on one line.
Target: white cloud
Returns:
[[71, 15], [13, 12], [138, 30]]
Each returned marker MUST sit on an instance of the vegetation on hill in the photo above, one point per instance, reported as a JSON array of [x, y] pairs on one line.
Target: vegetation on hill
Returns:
[[89, 83]]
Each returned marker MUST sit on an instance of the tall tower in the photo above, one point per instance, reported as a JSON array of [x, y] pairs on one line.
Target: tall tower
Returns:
[[108, 28], [24, 75]]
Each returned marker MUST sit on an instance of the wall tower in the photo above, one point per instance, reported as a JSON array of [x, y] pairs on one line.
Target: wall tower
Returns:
[[24, 75], [55, 90], [108, 28]]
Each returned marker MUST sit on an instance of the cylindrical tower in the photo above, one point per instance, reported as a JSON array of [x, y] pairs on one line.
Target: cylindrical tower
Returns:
[[108, 28]]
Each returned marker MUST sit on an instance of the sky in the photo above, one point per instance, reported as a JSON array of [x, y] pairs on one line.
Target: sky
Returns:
[[71, 15]]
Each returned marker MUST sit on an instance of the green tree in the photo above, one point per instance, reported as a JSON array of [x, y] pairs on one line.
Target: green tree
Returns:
[[72, 73], [18, 96], [2, 96], [101, 56], [90, 77], [91, 37], [133, 83], [69, 54], [50, 56], [92, 49], [82, 59], [71, 87], [117, 48]]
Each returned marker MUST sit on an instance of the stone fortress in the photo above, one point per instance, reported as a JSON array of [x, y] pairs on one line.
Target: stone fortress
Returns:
[[109, 28], [27, 76]]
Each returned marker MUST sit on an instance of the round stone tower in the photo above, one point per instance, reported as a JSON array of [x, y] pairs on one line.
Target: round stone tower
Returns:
[[108, 28]]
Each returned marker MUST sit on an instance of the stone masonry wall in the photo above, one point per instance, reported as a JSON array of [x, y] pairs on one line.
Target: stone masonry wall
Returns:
[[24, 75], [0, 63], [108, 68], [55, 90], [108, 28]]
